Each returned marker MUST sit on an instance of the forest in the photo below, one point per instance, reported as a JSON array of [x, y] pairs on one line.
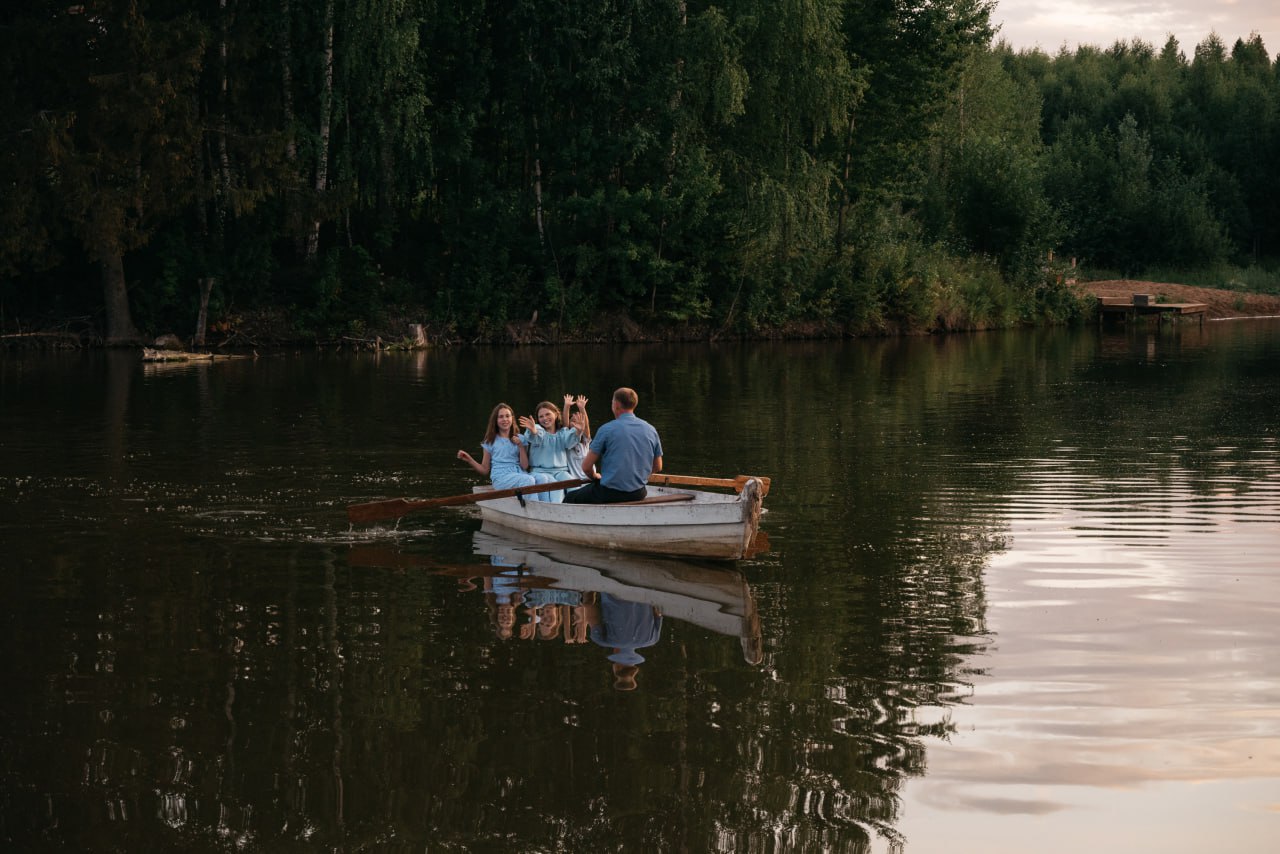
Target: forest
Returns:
[[530, 171]]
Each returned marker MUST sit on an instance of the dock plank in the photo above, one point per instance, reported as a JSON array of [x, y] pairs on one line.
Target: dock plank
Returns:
[[1122, 306]]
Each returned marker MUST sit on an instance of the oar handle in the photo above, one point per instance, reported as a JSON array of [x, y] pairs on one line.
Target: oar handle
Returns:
[[734, 483]]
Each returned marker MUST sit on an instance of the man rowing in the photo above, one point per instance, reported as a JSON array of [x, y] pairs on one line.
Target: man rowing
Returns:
[[627, 450]]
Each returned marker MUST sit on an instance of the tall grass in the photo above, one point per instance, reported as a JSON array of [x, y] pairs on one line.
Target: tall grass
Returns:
[[1255, 279]]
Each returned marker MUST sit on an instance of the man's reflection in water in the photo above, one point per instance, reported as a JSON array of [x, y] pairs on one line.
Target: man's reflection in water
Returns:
[[624, 627]]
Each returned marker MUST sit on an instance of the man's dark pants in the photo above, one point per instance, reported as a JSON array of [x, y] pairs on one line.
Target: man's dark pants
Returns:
[[594, 493]]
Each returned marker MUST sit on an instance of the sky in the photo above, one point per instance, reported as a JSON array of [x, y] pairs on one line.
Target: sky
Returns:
[[1049, 24]]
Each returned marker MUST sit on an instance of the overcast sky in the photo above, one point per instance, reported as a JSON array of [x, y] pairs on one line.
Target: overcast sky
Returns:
[[1051, 23]]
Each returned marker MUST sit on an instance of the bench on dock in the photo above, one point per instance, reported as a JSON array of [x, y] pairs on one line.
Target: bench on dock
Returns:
[[1130, 308]]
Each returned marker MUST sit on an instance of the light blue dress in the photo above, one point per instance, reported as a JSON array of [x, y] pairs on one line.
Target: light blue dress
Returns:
[[505, 471], [549, 455]]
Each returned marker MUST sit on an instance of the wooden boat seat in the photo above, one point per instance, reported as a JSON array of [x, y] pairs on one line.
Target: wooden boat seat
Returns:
[[652, 499]]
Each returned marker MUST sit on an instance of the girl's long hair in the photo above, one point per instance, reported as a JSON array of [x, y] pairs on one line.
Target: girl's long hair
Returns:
[[546, 404], [491, 432]]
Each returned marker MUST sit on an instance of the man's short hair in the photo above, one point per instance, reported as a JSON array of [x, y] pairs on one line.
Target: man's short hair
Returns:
[[626, 397]]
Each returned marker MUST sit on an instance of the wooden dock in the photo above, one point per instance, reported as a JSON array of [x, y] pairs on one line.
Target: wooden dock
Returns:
[[1130, 308]]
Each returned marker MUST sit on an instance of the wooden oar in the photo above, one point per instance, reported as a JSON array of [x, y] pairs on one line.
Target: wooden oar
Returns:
[[385, 558], [734, 483], [394, 508]]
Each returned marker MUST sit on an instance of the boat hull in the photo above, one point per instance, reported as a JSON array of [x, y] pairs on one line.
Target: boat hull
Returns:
[[711, 525]]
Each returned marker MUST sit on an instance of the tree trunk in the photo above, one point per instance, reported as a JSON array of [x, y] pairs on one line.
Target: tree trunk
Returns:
[[224, 159], [845, 199], [115, 294], [326, 109], [286, 81], [292, 214], [222, 197], [202, 319], [676, 100], [537, 183]]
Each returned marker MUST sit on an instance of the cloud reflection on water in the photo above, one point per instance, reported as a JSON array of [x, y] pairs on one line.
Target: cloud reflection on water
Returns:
[[1155, 662]]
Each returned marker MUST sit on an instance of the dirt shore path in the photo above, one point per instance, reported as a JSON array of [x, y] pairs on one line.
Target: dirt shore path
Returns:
[[1221, 304]]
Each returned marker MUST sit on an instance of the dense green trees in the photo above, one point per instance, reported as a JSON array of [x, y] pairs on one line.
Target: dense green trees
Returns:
[[734, 166], [108, 136], [1156, 160]]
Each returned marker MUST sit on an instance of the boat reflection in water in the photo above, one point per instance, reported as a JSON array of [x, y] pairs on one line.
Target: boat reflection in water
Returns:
[[544, 590]]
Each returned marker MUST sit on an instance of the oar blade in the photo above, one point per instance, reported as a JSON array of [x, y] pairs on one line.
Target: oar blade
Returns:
[[378, 511]]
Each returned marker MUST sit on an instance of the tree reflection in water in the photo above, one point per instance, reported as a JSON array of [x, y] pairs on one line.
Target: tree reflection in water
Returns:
[[192, 670], [311, 695]]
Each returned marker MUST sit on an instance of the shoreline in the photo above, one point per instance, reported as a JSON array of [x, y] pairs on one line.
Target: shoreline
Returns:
[[268, 330]]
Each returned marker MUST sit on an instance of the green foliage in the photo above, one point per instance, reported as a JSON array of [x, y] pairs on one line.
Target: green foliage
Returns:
[[167, 304], [908, 56], [883, 284], [1126, 210], [1053, 297], [971, 293], [737, 166], [1159, 160], [347, 290], [986, 191]]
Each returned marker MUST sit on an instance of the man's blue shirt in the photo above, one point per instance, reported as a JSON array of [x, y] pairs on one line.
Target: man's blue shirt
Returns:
[[627, 447]]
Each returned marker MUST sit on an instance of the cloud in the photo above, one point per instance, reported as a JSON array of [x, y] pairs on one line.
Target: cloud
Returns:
[[1049, 25]]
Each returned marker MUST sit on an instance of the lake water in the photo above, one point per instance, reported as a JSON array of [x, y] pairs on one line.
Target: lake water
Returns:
[[1022, 594]]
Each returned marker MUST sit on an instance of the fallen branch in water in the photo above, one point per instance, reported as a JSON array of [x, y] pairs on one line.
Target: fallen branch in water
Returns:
[[150, 355]]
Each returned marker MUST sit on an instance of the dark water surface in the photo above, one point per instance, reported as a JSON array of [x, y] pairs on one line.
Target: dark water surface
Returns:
[[1023, 595]]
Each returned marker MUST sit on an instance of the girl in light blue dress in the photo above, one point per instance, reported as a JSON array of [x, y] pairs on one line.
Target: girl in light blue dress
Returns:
[[549, 442], [505, 455]]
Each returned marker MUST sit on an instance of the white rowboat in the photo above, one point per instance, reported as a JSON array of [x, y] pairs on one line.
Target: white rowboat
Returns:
[[678, 522]]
